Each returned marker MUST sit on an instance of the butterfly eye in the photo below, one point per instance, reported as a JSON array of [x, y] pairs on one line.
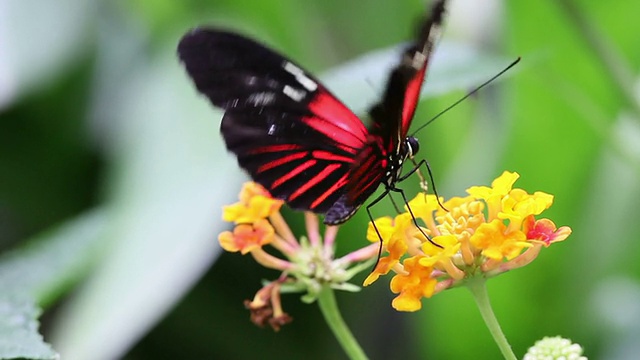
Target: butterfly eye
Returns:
[[412, 146]]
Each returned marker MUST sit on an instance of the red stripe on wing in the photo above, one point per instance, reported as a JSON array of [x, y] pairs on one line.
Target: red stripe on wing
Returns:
[[336, 121], [330, 156], [304, 166], [411, 98], [281, 161], [314, 181], [275, 148], [335, 187], [316, 155], [369, 172]]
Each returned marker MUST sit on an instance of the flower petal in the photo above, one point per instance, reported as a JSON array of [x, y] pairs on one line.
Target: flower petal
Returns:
[[246, 237], [544, 231], [413, 286], [258, 207], [496, 243], [251, 189], [494, 194]]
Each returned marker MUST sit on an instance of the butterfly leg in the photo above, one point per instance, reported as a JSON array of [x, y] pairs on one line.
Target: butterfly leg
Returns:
[[415, 222], [424, 185], [395, 205], [433, 183], [368, 207]]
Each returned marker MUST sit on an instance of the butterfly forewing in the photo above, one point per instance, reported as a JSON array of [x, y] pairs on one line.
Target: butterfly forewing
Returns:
[[416, 60], [287, 130], [393, 115]]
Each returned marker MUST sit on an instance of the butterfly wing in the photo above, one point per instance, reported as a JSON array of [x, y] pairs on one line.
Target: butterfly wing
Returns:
[[415, 61], [291, 134], [286, 129], [393, 115]]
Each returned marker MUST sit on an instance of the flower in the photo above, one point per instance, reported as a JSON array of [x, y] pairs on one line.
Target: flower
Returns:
[[307, 265], [393, 232], [413, 285], [247, 237], [544, 231], [552, 348], [267, 309], [491, 231]]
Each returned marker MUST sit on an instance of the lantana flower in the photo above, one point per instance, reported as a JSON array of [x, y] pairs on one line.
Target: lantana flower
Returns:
[[491, 231], [307, 264]]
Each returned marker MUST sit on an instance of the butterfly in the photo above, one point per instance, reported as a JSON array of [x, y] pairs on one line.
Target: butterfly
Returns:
[[293, 136]]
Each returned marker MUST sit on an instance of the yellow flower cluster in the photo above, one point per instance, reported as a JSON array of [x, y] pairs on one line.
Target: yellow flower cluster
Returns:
[[491, 231]]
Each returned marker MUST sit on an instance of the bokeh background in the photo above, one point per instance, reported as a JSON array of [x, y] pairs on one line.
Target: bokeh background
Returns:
[[113, 174]]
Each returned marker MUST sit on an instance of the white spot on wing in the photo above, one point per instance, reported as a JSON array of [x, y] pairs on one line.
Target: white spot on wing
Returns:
[[418, 60], [302, 78], [261, 98], [296, 95]]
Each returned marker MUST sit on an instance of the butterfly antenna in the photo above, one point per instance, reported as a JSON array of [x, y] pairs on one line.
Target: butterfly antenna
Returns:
[[468, 95]]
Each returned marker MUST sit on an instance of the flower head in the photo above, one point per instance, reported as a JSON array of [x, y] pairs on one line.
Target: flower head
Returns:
[[267, 309], [552, 348], [491, 231], [307, 265]]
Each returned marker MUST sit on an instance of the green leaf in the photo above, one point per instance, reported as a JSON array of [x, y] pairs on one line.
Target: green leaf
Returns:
[[19, 336], [170, 177], [37, 40], [38, 272], [43, 267]]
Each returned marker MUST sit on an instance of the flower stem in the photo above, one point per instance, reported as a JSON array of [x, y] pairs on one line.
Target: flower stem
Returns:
[[329, 308], [478, 289]]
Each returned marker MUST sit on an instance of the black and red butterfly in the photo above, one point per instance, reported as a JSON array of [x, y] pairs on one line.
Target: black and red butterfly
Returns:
[[297, 139]]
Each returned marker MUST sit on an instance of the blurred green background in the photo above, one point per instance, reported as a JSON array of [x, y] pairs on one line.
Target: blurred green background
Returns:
[[113, 174]]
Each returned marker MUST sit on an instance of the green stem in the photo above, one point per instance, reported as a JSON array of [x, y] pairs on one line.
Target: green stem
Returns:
[[331, 313], [479, 291]]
